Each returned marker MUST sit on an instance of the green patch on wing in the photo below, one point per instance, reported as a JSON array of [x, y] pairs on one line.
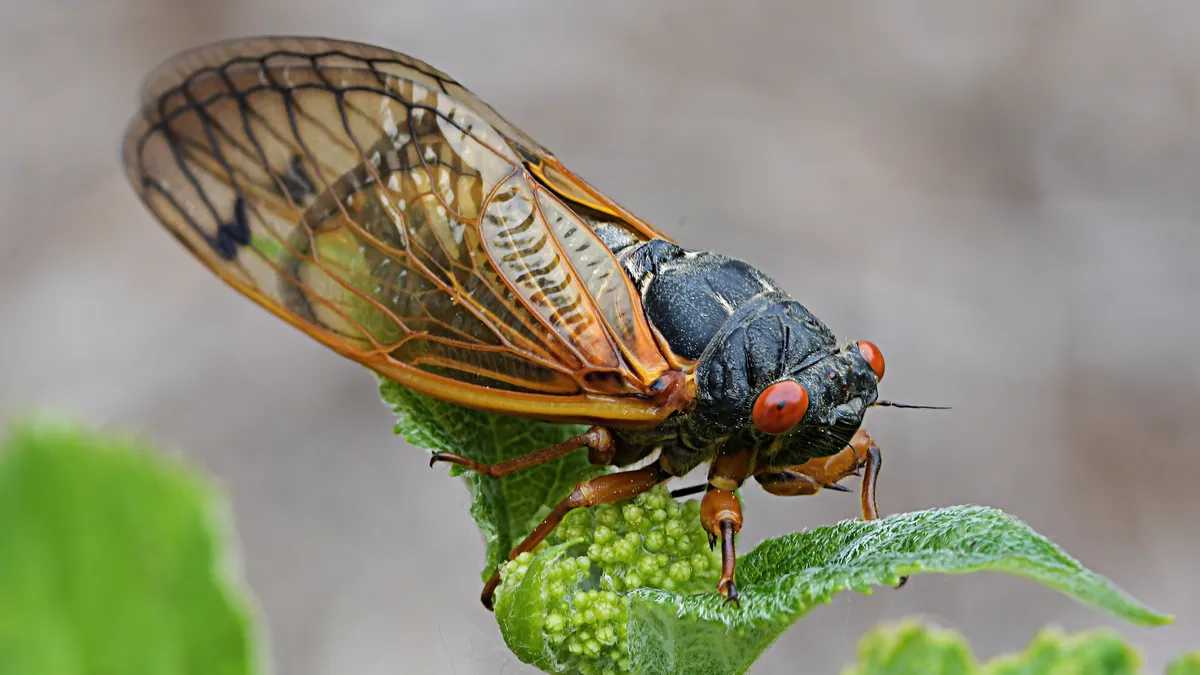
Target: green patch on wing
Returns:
[[270, 248]]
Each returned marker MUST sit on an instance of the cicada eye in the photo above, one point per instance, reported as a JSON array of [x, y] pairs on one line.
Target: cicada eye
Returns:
[[780, 407], [873, 357]]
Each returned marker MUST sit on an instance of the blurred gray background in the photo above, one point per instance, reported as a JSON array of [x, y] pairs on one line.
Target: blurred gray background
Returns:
[[1004, 196]]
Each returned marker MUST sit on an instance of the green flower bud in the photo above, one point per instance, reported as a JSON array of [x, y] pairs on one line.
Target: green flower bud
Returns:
[[633, 515], [655, 541], [592, 560], [680, 571]]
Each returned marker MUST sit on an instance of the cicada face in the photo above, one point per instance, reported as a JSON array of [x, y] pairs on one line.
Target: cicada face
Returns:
[[776, 379]]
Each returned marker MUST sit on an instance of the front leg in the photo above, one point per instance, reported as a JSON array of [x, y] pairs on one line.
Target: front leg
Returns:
[[721, 516], [721, 512], [826, 472]]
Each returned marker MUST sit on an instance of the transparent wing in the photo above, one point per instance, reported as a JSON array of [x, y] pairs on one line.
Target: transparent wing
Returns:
[[376, 204]]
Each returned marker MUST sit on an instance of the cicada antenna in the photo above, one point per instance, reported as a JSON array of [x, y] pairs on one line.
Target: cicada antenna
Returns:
[[893, 404]]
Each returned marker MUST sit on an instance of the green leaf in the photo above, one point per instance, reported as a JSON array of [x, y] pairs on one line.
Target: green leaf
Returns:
[[782, 579], [1097, 652], [525, 604], [687, 629], [112, 561], [1188, 664], [505, 509], [912, 649], [692, 631]]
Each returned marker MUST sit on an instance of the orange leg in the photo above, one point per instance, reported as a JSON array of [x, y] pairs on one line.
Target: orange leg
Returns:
[[871, 466], [825, 472], [721, 513], [721, 516], [601, 490], [598, 440]]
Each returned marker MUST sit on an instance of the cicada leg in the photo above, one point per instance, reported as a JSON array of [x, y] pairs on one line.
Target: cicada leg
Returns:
[[721, 516], [825, 472], [689, 490], [721, 512], [607, 489], [598, 440]]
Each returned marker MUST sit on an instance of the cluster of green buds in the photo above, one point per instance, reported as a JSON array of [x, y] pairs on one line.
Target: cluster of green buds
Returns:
[[566, 602]]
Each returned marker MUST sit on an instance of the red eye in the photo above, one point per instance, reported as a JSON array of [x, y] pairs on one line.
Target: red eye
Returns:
[[780, 407], [873, 357]]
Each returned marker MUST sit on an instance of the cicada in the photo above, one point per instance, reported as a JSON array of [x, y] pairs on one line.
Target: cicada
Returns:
[[373, 202]]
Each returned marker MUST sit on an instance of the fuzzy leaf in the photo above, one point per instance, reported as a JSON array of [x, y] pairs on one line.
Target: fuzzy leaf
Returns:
[[504, 509], [112, 560], [782, 579]]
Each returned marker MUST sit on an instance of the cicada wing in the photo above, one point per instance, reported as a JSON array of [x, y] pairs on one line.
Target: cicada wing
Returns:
[[371, 201]]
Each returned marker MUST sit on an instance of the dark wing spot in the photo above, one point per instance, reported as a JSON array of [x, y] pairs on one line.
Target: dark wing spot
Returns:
[[233, 234]]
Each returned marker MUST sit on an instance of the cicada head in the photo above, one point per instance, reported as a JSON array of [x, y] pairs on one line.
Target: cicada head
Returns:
[[775, 375]]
